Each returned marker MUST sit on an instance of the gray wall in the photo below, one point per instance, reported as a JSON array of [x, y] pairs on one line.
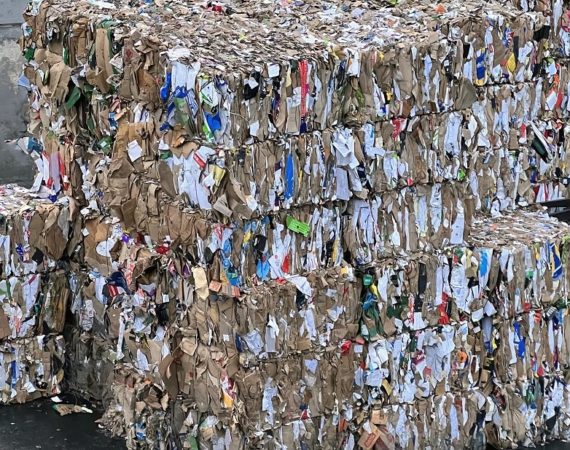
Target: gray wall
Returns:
[[11, 11], [15, 166]]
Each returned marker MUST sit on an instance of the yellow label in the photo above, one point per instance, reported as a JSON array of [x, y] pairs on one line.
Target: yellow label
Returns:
[[511, 63]]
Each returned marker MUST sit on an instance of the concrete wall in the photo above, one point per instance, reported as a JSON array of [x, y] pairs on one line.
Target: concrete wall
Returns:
[[11, 11], [15, 166]]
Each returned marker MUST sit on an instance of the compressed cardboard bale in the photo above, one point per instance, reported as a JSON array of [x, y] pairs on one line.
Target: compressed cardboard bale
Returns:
[[358, 60], [31, 368], [282, 245], [35, 236], [171, 113], [138, 410], [297, 227], [500, 162], [428, 325], [33, 304], [35, 233]]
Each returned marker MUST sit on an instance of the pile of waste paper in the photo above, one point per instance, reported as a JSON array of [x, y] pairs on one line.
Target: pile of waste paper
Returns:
[[294, 224]]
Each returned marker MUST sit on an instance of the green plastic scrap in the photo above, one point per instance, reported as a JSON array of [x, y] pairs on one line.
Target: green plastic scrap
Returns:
[[562, 303], [73, 98], [360, 98], [298, 226], [90, 124], [193, 443], [164, 155], [105, 144], [29, 53], [108, 24], [461, 175], [367, 280], [180, 113], [207, 132]]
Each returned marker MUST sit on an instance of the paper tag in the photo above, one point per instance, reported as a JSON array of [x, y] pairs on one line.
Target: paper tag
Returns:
[[273, 70], [134, 150]]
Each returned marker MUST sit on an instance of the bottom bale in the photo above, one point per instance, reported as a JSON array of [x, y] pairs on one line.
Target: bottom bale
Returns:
[[139, 411], [31, 368]]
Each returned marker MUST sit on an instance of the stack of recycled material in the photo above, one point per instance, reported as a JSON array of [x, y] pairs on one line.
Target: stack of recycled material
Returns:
[[293, 221], [34, 236]]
